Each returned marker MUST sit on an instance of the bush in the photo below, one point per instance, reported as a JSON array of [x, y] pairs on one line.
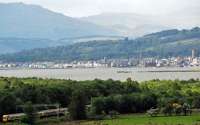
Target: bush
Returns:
[[128, 103]]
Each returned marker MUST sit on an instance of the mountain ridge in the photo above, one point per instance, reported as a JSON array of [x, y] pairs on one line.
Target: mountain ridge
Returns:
[[33, 21], [128, 24], [137, 25], [27, 26]]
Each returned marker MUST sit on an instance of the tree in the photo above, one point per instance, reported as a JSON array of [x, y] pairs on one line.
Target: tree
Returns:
[[196, 102], [7, 103], [131, 86], [31, 114], [97, 105], [168, 109], [77, 107]]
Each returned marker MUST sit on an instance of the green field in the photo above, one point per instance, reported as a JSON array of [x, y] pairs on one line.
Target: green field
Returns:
[[140, 119], [134, 119]]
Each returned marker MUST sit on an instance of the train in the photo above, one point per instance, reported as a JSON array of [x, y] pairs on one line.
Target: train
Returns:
[[40, 114]]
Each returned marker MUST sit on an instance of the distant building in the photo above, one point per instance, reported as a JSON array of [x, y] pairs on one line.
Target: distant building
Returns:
[[194, 53]]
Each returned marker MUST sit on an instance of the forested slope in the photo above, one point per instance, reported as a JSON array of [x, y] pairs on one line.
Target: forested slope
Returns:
[[162, 44]]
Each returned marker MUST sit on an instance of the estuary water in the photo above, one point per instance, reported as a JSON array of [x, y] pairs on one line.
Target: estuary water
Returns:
[[139, 74]]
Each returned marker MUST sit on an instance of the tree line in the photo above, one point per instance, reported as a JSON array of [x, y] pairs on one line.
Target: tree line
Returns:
[[90, 99]]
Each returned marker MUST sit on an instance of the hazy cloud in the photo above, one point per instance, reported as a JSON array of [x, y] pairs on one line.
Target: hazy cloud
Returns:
[[90, 7]]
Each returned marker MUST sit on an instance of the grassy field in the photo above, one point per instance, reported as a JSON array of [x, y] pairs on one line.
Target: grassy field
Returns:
[[134, 119], [140, 119]]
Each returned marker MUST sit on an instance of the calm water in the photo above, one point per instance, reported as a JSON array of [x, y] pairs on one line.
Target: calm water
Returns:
[[139, 74]]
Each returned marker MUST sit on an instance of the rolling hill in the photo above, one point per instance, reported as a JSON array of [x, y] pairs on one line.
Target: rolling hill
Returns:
[[161, 44]]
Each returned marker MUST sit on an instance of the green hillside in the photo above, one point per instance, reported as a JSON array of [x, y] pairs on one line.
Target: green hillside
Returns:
[[161, 44]]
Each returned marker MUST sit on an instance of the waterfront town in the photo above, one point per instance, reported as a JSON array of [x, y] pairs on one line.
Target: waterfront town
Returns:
[[190, 61]]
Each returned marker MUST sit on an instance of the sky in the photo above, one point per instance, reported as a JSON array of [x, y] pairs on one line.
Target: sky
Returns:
[[82, 8]]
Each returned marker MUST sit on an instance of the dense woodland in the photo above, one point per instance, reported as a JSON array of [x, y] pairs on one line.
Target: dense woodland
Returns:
[[89, 99], [162, 44]]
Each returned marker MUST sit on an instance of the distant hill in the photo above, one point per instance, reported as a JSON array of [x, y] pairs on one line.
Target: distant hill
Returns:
[[128, 24], [131, 24], [161, 44], [24, 27], [11, 45], [20, 20]]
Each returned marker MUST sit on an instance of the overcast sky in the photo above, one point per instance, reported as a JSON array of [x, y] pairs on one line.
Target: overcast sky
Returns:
[[79, 8]]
